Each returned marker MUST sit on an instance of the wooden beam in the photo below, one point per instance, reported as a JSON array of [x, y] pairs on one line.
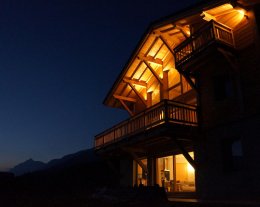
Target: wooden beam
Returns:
[[225, 12], [151, 59], [206, 16], [165, 86], [138, 94], [135, 149], [171, 50], [136, 158], [135, 82], [153, 72], [185, 34], [174, 33], [167, 45], [174, 86], [126, 107], [124, 98], [167, 30], [188, 79], [186, 154], [149, 98]]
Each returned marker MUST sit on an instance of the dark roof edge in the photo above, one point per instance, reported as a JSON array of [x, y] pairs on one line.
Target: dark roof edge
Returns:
[[204, 4]]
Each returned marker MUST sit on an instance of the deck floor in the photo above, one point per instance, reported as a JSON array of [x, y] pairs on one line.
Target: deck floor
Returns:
[[190, 202]]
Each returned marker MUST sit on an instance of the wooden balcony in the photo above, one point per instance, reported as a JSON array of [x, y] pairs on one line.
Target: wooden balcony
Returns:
[[165, 112], [210, 33]]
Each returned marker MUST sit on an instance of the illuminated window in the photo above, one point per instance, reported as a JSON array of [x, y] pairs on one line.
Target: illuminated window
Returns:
[[140, 176], [185, 174], [175, 174]]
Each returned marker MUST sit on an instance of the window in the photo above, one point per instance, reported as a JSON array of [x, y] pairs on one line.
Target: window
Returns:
[[140, 176], [237, 154], [232, 154], [175, 174]]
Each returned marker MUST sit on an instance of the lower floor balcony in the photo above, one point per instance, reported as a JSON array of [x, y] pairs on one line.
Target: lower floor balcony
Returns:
[[165, 114]]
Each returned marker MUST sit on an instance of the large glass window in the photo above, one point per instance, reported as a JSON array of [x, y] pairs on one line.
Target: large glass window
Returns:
[[164, 173], [175, 174], [185, 174], [140, 175]]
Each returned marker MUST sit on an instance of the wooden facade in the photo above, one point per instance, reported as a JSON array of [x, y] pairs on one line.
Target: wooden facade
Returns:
[[192, 85]]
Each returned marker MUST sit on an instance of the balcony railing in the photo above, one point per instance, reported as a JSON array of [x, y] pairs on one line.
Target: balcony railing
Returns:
[[211, 32], [161, 113]]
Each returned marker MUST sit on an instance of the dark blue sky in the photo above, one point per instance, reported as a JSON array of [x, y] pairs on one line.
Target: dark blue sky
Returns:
[[58, 59]]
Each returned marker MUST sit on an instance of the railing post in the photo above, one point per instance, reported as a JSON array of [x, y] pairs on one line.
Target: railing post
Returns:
[[193, 46], [214, 30], [166, 111], [233, 39]]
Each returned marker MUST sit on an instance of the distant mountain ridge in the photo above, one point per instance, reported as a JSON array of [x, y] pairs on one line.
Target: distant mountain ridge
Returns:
[[27, 166], [30, 165]]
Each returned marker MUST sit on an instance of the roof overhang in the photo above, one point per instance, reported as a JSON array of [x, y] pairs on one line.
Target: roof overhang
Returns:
[[144, 69]]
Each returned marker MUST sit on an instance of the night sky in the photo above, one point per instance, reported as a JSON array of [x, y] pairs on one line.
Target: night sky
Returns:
[[58, 60]]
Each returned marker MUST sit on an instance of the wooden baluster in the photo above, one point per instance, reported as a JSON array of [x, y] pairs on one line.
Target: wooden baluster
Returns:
[[166, 114]]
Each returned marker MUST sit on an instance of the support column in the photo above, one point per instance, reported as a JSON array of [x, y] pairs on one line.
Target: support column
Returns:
[[164, 94], [149, 98], [165, 85], [151, 177]]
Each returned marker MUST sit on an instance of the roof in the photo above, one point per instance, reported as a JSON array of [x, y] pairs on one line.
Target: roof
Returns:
[[195, 9]]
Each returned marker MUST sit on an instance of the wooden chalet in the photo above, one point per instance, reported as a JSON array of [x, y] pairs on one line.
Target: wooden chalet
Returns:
[[191, 89]]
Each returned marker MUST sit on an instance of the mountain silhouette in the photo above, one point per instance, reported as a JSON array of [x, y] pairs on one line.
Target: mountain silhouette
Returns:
[[78, 158], [27, 166]]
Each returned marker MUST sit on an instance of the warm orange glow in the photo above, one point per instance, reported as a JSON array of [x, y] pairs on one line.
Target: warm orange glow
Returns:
[[190, 168], [166, 69], [145, 96], [150, 90], [241, 11], [178, 177], [240, 15], [162, 115], [139, 86]]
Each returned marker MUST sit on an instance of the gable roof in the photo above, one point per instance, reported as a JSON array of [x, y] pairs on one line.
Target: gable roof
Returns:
[[182, 14]]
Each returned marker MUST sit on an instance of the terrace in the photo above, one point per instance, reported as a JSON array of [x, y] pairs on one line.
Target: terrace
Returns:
[[165, 112]]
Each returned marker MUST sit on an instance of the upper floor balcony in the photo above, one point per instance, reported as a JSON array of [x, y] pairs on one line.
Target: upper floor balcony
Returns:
[[165, 112], [200, 40]]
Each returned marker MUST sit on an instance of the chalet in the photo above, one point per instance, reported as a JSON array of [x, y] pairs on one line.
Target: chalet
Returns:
[[192, 90]]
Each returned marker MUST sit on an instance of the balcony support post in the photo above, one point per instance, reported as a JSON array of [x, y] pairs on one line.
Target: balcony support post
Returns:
[[186, 154], [136, 158], [164, 87], [151, 177], [149, 98]]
